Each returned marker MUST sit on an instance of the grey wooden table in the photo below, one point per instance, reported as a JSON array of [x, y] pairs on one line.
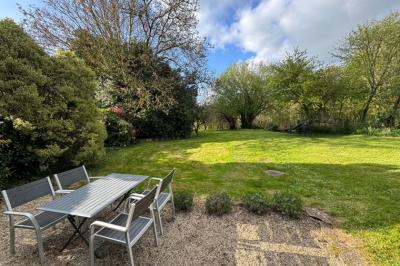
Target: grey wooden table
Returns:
[[89, 200]]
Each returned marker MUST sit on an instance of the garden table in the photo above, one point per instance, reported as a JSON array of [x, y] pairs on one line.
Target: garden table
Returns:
[[89, 200]]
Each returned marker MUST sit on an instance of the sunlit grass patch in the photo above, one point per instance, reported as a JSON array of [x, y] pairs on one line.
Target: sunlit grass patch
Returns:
[[356, 178]]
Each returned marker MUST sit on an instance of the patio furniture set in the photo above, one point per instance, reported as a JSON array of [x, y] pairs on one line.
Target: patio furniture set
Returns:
[[141, 211]]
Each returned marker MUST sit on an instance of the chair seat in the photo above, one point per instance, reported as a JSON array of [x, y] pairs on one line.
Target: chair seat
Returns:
[[162, 198], [137, 228], [44, 219]]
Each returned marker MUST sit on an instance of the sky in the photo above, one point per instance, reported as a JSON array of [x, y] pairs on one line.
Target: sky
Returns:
[[265, 30]]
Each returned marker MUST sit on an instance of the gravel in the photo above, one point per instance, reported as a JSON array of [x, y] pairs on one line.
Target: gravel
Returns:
[[195, 238]]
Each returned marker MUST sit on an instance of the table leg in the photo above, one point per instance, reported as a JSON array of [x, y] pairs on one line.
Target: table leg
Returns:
[[76, 231], [122, 200]]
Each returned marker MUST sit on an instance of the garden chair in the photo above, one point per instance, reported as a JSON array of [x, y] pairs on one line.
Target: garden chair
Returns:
[[164, 197], [18, 196], [65, 179], [127, 228]]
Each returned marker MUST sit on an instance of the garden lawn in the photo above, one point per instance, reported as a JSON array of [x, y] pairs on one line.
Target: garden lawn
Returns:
[[355, 178]]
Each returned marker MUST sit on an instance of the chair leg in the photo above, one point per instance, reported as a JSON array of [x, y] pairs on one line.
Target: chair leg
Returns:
[[91, 250], [130, 254], [159, 222], [40, 246], [154, 228], [173, 205], [12, 235]]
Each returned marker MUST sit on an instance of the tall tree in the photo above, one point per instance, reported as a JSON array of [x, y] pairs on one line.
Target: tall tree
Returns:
[[106, 31], [295, 80], [242, 90], [372, 49], [49, 117]]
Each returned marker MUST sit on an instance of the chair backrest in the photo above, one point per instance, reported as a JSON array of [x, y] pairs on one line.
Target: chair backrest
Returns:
[[167, 180], [67, 178], [17, 196], [141, 206]]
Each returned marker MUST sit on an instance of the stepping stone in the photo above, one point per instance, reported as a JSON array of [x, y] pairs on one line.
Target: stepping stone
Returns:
[[318, 214], [274, 172]]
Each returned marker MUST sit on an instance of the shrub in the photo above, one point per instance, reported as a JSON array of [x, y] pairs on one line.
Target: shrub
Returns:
[[183, 200], [49, 116], [372, 131], [219, 204], [256, 203], [119, 132], [287, 204]]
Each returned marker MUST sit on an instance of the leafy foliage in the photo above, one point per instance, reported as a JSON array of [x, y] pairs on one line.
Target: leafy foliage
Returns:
[[183, 200], [241, 91], [157, 100], [256, 203], [287, 204], [119, 131], [372, 51], [50, 119], [219, 204]]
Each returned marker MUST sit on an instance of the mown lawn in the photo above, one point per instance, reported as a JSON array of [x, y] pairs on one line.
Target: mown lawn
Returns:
[[355, 178]]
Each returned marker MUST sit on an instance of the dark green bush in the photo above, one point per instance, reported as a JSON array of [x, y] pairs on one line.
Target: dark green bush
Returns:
[[256, 203], [219, 203], [119, 132], [177, 122], [287, 204], [49, 118], [183, 200]]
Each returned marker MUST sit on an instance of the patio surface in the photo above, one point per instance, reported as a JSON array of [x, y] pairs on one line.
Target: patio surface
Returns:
[[197, 239]]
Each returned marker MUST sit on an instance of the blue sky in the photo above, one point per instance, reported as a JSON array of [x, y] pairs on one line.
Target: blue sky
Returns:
[[264, 30]]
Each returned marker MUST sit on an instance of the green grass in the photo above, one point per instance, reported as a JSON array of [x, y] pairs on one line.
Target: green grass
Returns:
[[356, 178]]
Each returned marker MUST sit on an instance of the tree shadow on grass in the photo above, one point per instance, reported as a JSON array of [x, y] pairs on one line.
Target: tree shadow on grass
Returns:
[[362, 196]]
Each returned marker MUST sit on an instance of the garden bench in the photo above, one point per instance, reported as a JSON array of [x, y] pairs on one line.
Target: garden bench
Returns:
[[18, 196]]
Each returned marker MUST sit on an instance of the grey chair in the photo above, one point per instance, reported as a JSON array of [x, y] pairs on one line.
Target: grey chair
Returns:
[[65, 179], [163, 198], [18, 196], [127, 228]]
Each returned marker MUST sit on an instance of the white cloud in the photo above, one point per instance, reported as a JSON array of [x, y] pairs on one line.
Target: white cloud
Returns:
[[272, 27]]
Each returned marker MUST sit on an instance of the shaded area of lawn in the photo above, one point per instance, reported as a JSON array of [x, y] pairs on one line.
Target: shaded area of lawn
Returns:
[[356, 178]]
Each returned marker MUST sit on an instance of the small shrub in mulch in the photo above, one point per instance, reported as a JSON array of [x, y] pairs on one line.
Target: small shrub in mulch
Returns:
[[183, 200], [219, 204], [256, 203], [287, 204]]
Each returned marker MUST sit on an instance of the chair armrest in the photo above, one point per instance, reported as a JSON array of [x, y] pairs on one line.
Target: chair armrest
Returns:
[[107, 225], [63, 191], [30, 216], [153, 178]]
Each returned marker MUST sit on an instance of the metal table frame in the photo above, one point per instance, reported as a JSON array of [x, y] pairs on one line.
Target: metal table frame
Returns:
[[89, 200]]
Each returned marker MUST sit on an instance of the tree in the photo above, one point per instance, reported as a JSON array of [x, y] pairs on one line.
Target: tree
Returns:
[[105, 32], [49, 117], [295, 80], [201, 116], [372, 49], [242, 91]]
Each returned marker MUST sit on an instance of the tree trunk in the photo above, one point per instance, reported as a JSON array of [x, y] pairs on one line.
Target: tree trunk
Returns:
[[232, 124], [231, 121], [365, 110], [390, 120], [247, 120]]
